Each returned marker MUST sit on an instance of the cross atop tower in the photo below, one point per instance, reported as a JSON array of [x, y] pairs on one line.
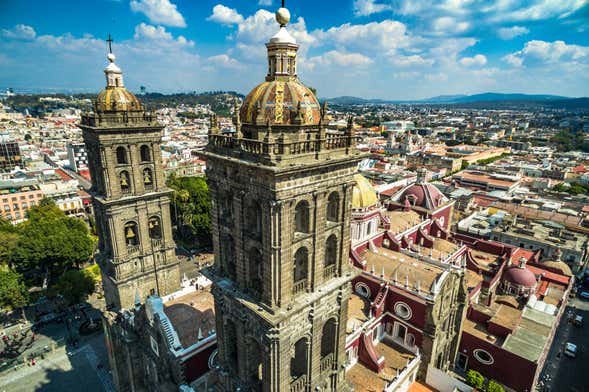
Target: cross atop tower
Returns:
[[282, 3], [110, 41]]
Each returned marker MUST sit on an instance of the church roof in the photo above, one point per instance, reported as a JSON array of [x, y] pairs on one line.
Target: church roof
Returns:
[[363, 194], [115, 97]]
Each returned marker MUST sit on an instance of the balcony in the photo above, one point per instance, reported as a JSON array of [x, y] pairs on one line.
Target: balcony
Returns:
[[329, 271], [299, 286], [156, 242], [131, 249], [326, 363], [298, 384]]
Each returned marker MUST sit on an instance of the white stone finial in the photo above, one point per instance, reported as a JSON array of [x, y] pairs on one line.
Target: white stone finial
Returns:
[[282, 16], [111, 57]]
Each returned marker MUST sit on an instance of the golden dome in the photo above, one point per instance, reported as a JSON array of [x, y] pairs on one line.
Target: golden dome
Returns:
[[117, 99], [559, 265], [363, 194], [279, 101]]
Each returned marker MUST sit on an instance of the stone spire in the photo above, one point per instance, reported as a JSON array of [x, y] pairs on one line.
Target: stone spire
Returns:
[[282, 50]]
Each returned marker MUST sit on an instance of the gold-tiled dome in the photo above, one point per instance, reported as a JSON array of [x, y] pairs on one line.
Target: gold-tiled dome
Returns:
[[279, 101], [117, 99], [363, 194]]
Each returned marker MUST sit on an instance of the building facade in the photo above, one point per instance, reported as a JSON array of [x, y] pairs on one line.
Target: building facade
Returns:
[[281, 191]]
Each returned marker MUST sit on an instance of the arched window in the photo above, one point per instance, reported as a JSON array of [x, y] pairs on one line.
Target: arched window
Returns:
[[255, 366], [145, 153], [328, 338], [231, 346], [254, 219], [331, 250], [227, 256], [131, 234], [298, 364], [302, 217], [333, 207], [256, 271], [125, 181], [147, 178], [122, 156], [225, 208], [155, 230], [300, 270]]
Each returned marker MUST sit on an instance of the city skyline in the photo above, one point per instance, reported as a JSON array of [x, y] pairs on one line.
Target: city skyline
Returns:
[[366, 48]]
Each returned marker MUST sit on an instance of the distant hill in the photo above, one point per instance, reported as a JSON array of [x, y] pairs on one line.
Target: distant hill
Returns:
[[459, 98]]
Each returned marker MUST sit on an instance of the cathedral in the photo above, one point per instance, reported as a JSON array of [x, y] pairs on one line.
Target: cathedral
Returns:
[[319, 283]]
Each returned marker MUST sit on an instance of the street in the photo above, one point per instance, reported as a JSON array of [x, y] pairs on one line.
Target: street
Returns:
[[560, 372]]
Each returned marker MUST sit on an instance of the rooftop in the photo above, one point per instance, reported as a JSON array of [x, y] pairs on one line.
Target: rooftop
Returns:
[[191, 313]]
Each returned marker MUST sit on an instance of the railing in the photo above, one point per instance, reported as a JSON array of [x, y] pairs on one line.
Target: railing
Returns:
[[282, 147], [329, 271], [133, 249], [125, 191], [299, 286], [404, 374], [156, 242], [326, 363], [298, 384]]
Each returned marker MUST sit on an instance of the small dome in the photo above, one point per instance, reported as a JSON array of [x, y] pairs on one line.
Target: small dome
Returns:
[[117, 99], [277, 101], [520, 276], [559, 266], [423, 195], [363, 194]]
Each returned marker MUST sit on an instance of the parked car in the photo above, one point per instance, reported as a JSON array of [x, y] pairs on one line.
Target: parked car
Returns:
[[584, 294], [570, 350], [578, 321]]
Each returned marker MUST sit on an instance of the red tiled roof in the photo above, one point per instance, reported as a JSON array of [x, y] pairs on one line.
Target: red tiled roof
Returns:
[[64, 176], [562, 279]]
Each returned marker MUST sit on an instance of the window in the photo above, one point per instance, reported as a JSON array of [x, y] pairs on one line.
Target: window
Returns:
[[121, 153], [145, 153], [483, 356], [31, 196], [6, 208], [24, 206], [213, 359], [298, 364], [147, 177], [302, 217], [400, 332], [333, 207], [125, 181], [256, 271], [461, 361], [403, 310], [328, 338], [331, 250], [300, 265], [155, 231], [362, 290], [131, 234], [154, 346], [254, 218]]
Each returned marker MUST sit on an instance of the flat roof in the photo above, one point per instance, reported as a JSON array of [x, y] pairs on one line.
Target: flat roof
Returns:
[[190, 313]]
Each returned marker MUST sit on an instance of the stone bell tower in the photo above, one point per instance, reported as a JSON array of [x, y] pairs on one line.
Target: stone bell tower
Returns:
[[131, 202], [281, 190]]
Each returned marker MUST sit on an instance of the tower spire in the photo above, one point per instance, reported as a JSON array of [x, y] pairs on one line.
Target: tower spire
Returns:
[[282, 49]]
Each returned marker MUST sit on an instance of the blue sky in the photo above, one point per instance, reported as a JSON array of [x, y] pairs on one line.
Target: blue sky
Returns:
[[395, 49]]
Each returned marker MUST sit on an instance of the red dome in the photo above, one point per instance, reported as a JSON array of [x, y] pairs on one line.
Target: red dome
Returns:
[[415, 194], [424, 195], [520, 276]]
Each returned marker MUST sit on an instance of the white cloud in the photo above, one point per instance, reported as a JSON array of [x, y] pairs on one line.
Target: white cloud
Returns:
[[261, 26], [478, 59], [20, 32], [507, 33], [449, 25], [159, 11], [410, 61], [265, 3], [159, 35], [225, 15], [543, 9], [541, 52], [225, 61], [342, 59], [369, 7]]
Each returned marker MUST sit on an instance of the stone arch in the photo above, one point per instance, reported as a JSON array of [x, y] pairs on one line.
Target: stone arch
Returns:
[[228, 256], [231, 346], [332, 212], [302, 222], [298, 362], [329, 337], [122, 156], [147, 177], [145, 153], [155, 227], [331, 250], [131, 233], [125, 181], [256, 270], [253, 217], [301, 265]]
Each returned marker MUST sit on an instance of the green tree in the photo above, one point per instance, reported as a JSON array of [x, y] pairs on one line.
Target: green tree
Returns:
[[75, 285], [475, 379], [13, 291], [28, 137], [464, 165], [493, 386], [51, 241], [94, 272], [191, 207]]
